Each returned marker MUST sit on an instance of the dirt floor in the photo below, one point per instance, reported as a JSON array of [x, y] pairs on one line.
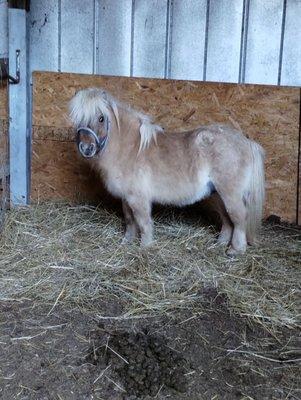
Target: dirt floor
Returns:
[[214, 355], [134, 325]]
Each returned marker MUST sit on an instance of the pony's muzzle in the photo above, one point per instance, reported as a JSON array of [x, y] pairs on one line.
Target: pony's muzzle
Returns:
[[87, 149]]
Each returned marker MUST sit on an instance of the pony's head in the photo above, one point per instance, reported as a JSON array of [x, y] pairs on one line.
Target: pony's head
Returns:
[[92, 112]]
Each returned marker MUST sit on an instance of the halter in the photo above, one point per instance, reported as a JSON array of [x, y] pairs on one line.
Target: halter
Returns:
[[96, 147]]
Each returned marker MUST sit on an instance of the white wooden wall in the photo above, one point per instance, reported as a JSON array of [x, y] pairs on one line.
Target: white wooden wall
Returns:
[[254, 41], [3, 29]]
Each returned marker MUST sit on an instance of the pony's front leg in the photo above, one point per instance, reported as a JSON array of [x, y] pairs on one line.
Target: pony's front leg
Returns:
[[141, 209], [131, 229]]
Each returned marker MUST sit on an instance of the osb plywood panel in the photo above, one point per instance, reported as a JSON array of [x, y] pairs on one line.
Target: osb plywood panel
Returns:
[[3, 140], [3, 101], [270, 115], [55, 172]]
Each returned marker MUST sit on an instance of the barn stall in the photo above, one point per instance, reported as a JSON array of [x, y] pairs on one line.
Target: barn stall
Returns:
[[83, 316]]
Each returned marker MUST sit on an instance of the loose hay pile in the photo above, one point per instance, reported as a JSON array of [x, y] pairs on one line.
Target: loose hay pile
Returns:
[[62, 254]]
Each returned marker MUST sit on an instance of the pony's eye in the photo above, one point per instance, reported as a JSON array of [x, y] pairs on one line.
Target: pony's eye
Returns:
[[101, 118]]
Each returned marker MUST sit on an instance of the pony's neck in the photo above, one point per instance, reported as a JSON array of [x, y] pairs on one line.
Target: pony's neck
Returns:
[[129, 124]]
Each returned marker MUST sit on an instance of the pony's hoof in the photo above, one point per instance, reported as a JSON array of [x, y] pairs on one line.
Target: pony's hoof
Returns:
[[223, 241], [252, 242], [127, 240], [231, 252], [146, 245]]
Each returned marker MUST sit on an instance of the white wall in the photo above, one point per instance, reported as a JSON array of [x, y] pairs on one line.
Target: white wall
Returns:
[[3, 29], [182, 39]]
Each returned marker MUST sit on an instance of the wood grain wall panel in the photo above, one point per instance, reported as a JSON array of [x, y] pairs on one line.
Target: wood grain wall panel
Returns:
[[57, 168], [3, 101]]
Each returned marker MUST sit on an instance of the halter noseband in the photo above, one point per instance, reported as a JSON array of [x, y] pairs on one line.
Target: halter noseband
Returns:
[[96, 147]]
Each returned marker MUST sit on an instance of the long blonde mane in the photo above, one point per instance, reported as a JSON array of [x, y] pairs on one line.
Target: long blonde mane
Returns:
[[86, 105]]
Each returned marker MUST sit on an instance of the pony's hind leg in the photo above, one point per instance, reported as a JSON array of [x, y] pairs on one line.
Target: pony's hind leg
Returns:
[[237, 212], [225, 234], [131, 229], [141, 209]]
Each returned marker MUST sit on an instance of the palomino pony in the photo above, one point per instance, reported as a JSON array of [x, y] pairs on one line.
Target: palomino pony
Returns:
[[141, 165]]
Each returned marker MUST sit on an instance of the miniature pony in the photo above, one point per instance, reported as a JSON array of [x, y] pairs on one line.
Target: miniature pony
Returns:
[[142, 165]]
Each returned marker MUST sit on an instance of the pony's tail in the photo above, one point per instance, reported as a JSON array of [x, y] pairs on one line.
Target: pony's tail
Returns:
[[256, 191]]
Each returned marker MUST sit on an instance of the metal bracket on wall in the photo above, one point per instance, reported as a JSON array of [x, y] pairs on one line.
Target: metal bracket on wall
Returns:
[[4, 74]]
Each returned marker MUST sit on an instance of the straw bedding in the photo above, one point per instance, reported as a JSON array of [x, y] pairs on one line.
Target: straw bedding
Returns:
[[60, 254]]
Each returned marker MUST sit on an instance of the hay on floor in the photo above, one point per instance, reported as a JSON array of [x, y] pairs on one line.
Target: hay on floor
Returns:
[[56, 253]]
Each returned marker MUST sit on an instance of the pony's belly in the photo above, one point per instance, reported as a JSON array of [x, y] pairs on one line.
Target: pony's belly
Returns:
[[198, 195], [186, 196]]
